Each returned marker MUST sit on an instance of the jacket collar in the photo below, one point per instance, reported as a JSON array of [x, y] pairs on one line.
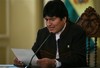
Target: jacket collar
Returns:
[[66, 30]]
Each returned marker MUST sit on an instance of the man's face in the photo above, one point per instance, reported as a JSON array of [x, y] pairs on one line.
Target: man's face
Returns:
[[54, 24]]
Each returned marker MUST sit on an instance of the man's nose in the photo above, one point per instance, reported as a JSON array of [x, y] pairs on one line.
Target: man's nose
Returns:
[[49, 23]]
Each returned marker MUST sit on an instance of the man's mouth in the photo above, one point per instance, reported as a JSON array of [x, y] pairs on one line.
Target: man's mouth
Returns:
[[51, 28]]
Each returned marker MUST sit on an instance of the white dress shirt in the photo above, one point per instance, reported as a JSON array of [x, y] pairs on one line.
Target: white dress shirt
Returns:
[[58, 64]]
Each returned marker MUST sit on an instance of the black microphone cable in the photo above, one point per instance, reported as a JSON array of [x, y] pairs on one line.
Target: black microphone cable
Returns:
[[29, 65]]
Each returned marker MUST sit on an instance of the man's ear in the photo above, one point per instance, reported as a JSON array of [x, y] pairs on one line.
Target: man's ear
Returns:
[[64, 19]]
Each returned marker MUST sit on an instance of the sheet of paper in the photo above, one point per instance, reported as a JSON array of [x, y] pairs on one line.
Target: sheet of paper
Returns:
[[25, 56]]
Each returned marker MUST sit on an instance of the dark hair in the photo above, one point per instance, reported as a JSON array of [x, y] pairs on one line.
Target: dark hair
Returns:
[[55, 8]]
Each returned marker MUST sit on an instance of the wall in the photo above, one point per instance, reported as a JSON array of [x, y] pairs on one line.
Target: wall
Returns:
[[97, 5], [4, 41], [25, 18]]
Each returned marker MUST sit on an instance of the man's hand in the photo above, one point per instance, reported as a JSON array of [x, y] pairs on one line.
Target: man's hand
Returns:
[[18, 63], [46, 63]]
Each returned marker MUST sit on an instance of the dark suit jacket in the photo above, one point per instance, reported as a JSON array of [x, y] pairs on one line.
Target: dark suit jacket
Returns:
[[72, 46]]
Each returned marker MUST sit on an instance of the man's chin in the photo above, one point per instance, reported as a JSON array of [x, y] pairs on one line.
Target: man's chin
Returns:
[[52, 32]]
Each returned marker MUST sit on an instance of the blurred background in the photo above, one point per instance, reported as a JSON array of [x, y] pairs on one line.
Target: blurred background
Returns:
[[21, 19]]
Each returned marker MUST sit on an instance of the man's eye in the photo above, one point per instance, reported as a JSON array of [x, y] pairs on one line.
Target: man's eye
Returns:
[[52, 19], [46, 19]]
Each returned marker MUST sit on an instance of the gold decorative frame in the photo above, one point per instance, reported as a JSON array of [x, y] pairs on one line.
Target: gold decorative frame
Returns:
[[4, 18]]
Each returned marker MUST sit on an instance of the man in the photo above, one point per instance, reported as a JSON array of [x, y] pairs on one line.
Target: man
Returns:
[[65, 42]]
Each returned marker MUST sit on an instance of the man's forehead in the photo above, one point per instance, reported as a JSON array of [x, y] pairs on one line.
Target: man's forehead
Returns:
[[48, 17]]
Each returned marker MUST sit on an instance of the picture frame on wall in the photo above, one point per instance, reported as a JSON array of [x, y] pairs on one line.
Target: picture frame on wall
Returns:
[[4, 18]]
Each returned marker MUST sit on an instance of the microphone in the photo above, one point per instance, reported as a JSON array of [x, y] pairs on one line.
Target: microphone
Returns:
[[29, 65]]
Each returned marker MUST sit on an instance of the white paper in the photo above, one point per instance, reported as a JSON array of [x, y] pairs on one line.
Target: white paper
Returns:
[[25, 56]]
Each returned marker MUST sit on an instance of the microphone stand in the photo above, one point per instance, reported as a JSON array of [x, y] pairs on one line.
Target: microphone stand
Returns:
[[29, 65]]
